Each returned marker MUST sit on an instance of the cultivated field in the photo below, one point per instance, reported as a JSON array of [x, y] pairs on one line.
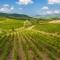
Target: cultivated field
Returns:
[[26, 40]]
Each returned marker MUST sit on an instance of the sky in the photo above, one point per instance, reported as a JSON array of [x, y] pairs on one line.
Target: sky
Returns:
[[30, 7]]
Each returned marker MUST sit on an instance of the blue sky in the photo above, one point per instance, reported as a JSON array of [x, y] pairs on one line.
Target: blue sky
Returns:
[[30, 7]]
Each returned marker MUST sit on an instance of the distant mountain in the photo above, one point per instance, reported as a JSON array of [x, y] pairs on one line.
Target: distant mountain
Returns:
[[48, 16], [16, 16]]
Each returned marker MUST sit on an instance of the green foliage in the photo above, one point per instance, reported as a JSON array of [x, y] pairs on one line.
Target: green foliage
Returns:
[[27, 23]]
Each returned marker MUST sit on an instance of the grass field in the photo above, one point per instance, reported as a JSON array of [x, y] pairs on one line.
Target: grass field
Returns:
[[23, 40]]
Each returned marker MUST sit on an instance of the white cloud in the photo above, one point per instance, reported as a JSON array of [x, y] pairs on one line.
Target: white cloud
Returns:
[[11, 8], [44, 12], [52, 12], [6, 9], [49, 12], [25, 2], [6, 5], [57, 11], [53, 1], [45, 8]]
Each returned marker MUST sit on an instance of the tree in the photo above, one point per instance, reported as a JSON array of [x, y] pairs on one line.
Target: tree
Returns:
[[27, 23]]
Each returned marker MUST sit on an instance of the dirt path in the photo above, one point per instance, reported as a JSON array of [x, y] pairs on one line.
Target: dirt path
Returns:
[[10, 57], [21, 53], [46, 33], [29, 28], [43, 32]]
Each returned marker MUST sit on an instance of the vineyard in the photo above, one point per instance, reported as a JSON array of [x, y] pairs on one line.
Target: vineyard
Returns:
[[23, 40]]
